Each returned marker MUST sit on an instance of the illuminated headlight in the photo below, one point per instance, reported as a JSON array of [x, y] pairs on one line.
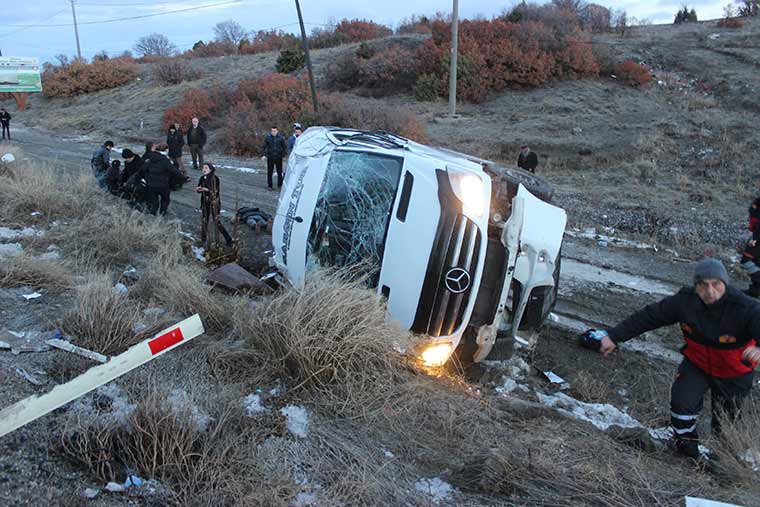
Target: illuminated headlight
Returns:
[[470, 190], [436, 355]]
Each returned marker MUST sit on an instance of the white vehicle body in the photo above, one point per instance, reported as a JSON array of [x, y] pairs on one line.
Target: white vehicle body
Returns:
[[417, 219]]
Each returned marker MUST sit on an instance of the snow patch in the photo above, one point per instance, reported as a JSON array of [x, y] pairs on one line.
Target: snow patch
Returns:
[[26, 232], [297, 420], [587, 273], [181, 404], [252, 404], [248, 170], [752, 457], [437, 489], [508, 385], [10, 250], [601, 415]]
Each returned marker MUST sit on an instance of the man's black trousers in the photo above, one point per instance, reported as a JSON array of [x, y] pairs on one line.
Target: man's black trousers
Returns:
[[273, 163], [153, 196], [687, 399], [6, 128]]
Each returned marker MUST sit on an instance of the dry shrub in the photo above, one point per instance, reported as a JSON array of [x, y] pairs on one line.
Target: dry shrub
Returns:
[[181, 289], [196, 103], [732, 23], [390, 71], [209, 49], [37, 187], [115, 235], [590, 389], [25, 269], [268, 40], [171, 71], [354, 30], [331, 338], [497, 54], [334, 111], [633, 73], [738, 449], [102, 318], [78, 77]]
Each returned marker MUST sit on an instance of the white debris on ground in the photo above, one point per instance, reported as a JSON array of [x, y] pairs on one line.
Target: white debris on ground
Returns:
[[752, 458], [297, 420], [601, 415], [120, 288], [26, 232], [608, 240], [186, 235], [388, 454], [515, 368], [90, 493], [248, 170], [437, 489], [53, 254], [10, 249], [200, 253], [181, 404], [117, 411], [508, 385], [32, 295], [252, 404], [8, 158]]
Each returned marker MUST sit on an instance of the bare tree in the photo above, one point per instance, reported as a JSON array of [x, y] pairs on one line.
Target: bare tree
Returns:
[[155, 44], [229, 32], [748, 8], [596, 18], [621, 22]]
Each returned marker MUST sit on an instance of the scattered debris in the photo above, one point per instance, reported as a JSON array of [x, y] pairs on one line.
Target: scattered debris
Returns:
[[8, 158], [438, 490], [69, 347], [36, 213], [120, 288], [91, 493], [33, 295], [130, 274], [252, 404], [507, 386], [388, 454], [600, 415], [752, 458], [554, 378], [115, 487], [200, 253], [30, 341], [29, 377], [10, 250], [235, 278], [297, 420]]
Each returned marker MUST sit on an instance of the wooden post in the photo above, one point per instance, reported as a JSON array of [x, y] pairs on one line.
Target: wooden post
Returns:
[[20, 98]]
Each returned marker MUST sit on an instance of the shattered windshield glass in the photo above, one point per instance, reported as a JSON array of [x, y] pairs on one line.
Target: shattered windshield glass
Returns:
[[353, 210]]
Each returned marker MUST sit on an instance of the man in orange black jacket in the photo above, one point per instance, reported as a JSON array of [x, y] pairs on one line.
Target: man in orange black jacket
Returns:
[[751, 252], [720, 326]]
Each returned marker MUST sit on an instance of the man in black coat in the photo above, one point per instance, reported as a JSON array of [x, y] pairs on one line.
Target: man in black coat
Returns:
[[175, 141], [101, 162], [196, 139], [527, 159], [720, 326], [274, 149], [159, 172], [5, 121]]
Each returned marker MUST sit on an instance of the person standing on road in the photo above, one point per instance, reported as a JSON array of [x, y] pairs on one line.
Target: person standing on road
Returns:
[[101, 162], [176, 141], [751, 251], [297, 131], [196, 139], [720, 326], [159, 171], [211, 202], [274, 149], [527, 159], [5, 121]]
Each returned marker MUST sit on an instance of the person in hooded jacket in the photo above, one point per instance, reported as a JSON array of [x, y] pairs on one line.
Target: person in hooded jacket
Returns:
[[211, 202], [132, 179], [176, 141], [158, 171]]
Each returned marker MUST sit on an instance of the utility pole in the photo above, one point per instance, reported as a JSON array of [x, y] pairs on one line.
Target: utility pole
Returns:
[[76, 29], [305, 44], [454, 51]]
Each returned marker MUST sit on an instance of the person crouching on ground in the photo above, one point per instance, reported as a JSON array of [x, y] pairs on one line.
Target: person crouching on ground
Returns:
[[176, 141], [113, 177], [101, 162], [720, 325], [159, 172], [211, 202]]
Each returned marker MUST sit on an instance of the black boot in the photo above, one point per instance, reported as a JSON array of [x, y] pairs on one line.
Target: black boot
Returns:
[[688, 447]]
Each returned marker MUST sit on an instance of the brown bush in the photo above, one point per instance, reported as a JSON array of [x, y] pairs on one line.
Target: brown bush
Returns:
[[633, 73], [389, 71], [196, 103], [171, 71], [78, 77], [355, 30], [268, 40], [732, 23]]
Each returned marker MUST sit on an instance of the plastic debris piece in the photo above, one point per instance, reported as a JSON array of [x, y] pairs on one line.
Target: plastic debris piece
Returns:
[[33, 295], [29, 377], [114, 487], [91, 493], [554, 378]]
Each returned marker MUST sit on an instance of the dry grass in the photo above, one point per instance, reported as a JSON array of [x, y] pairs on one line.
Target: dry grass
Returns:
[[24, 269], [102, 318], [590, 389], [38, 187], [331, 338], [738, 449]]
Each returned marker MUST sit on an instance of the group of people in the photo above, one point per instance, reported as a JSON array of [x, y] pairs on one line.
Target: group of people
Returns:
[[274, 150]]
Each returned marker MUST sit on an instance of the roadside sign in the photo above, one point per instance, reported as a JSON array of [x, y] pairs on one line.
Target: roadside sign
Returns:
[[19, 74]]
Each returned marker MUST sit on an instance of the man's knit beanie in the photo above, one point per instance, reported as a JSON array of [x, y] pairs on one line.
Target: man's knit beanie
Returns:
[[710, 268]]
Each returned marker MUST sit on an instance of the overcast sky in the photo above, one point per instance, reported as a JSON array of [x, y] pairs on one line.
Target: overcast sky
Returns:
[[21, 33]]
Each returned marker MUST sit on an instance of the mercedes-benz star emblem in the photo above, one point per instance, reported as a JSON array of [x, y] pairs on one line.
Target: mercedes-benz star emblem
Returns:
[[457, 280]]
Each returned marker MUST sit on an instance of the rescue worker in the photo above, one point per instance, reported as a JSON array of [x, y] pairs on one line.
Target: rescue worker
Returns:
[[159, 172], [211, 202], [751, 250], [720, 325], [527, 159]]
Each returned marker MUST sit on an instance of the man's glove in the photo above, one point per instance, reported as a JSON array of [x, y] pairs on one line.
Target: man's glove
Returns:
[[592, 339]]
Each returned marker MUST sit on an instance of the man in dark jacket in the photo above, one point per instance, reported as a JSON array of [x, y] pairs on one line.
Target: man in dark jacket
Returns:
[[297, 131], [159, 172], [5, 121], [132, 181], [175, 141], [196, 139], [720, 325], [101, 162], [527, 159], [274, 149]]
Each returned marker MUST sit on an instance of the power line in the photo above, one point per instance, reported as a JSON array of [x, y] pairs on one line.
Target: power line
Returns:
[[8, 34], [130, 18]]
